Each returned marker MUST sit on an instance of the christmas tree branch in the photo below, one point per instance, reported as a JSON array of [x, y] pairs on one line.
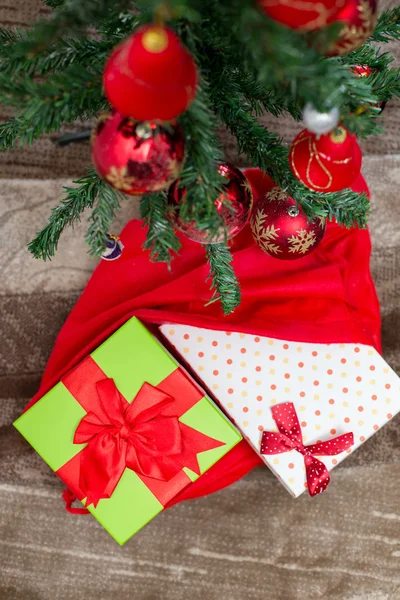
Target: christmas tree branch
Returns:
[[291, 70], [46, 106], [346, 207], [223, 277], [60, 56], [68, 212], [7, 36], [161, 239], [199, 177], [265, 150], [54, 3], [385, 80], [67, 18], [387, 27], [9, 133], [107, 206]]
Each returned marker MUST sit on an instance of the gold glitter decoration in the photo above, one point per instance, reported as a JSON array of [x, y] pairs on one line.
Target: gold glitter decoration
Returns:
[[264, 235], [276, 195], [315, 155], [119, 178], [353, 36], [300, 243]]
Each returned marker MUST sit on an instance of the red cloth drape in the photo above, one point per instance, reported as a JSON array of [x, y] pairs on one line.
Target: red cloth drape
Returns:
[[327, 296]]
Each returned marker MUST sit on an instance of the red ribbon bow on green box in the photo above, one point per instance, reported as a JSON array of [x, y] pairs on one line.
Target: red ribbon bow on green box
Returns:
[[127, 426], [141, 436], [289, 438], [144, 436]]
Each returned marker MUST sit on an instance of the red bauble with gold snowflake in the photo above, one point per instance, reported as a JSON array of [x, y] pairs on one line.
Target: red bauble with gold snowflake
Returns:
[[359, 20], [281, 228], [137, 157], [325, 163], [301, 15], [233, 205], [150, 76]]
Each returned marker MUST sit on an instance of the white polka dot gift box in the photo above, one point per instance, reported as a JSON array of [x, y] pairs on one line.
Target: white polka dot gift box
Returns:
[[303, 407]]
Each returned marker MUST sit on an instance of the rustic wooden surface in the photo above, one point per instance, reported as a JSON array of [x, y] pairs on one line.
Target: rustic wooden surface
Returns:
[[251, 540]]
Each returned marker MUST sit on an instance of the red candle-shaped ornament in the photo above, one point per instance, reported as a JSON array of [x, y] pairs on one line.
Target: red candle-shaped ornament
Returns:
[[303, 15], [151, 76], [234, 205], [137, 157], [326, 163], [281, 228]]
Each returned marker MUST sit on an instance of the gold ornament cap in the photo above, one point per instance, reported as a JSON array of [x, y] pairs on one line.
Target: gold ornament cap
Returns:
[[155, 40], [338, 135]]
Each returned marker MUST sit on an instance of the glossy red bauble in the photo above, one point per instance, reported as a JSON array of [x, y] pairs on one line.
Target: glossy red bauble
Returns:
[[325, 163], [150, 76], [234, 205], [135, 157], [359, 20], [281, 229], [301, 15], [362, 70]]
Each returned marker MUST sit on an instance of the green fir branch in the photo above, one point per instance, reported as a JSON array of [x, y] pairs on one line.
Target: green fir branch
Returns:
[[265, 150], [387, 27], [9, 133], [346, 207], [222, 275], [161, 239], [7, 37], [68, 212], [59, 57], [54, 3], [107, 206], [62, 98], [286, 65], [384, 81], [72, 17], [199, 176]]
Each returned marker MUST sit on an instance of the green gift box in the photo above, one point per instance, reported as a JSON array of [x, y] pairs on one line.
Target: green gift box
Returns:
[[127, 430]]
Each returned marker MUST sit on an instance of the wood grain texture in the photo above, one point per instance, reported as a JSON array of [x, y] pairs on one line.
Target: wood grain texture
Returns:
[[342, 545], [251, 540]]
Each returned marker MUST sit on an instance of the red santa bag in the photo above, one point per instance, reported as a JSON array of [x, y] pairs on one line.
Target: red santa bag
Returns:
[[325, 297]]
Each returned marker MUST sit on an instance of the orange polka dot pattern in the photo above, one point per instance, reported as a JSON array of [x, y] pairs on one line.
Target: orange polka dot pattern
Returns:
[[352, 388]]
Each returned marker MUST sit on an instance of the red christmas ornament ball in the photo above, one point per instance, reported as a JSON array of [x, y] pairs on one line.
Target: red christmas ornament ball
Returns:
[[137, 157], [359, 20], [304, 16], [362, 70], [325, 163], [150, 76], [281, 229], [234, 205]]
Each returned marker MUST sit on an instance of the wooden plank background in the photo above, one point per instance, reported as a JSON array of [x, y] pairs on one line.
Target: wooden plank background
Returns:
[[251, 540]]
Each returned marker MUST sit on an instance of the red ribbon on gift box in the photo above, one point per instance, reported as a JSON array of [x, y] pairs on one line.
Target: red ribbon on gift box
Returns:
[[290, 438], [145, 436]]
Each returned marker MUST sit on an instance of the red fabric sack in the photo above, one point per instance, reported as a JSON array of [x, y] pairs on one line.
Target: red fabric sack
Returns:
[[327, 296]]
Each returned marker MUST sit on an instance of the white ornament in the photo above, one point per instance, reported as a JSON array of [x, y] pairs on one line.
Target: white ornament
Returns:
[[320, 123]]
